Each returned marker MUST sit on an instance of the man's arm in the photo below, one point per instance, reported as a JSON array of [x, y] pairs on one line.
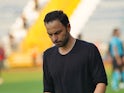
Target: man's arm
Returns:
[[117, 57], [100, 88], [47, 92]]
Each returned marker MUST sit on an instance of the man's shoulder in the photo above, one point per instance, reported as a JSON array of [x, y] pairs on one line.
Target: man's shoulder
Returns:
[[114, 41], [85, 43], [50, 50], [87, 46]]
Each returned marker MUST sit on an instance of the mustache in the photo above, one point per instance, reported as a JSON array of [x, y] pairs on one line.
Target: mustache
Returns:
[[57, 41]]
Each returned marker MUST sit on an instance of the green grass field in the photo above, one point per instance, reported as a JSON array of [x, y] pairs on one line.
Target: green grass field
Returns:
[[22, 81], [109, 90], [30, 81]]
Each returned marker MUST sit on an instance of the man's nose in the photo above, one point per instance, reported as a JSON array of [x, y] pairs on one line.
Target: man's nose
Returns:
[[54, 38]]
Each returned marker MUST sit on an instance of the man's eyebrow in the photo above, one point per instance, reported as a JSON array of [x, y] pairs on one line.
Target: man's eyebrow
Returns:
[[55, 32], [58, 31]]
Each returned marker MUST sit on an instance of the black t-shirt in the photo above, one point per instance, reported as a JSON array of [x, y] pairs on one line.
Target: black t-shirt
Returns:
[[76, 72]]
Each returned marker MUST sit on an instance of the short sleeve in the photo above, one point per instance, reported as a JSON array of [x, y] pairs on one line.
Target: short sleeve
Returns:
[[97, 69], [47, 79]]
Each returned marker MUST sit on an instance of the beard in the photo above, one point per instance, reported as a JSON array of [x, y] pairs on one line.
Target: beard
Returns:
[[64, 42]]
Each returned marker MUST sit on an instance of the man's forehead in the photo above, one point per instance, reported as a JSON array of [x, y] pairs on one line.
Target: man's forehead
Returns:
[[54, 25], [53, 22]]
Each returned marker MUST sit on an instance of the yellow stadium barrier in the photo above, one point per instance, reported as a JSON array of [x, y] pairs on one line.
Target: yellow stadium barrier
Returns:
[[37, 37]]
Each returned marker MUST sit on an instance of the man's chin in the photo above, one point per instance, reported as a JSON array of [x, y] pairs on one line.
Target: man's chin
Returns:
[[59, 45]]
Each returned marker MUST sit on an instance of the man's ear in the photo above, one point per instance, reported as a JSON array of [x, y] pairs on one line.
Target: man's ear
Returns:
[[68, 27]]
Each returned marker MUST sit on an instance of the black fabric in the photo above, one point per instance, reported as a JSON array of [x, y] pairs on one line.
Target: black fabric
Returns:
[[76, 72]]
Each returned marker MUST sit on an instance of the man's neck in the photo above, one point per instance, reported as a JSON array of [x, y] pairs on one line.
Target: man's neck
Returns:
[[66, 49]]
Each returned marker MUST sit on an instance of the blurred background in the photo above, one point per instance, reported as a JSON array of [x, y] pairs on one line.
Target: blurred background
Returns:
[[23, 36]]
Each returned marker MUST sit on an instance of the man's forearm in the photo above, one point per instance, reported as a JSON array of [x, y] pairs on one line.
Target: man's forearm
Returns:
[[47, 92], [100, 88]]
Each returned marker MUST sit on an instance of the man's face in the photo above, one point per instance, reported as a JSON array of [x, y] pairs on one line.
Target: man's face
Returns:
[[118, 33], [58, 33]]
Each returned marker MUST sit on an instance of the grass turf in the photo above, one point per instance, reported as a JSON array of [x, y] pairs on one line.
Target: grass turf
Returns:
[[109, 89], [22, 81], [30, 81]]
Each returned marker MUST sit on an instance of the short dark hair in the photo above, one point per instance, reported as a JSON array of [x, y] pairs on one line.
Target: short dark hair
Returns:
[[57, 15]]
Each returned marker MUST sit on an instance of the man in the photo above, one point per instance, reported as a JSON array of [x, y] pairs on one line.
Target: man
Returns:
[[72, 65], [116, 52]]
